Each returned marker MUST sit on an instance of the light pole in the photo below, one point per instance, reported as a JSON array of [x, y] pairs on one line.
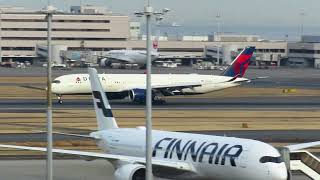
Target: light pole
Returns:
[[1, 12], [149, 13], [302, 14], [218, 33], [49, 164]]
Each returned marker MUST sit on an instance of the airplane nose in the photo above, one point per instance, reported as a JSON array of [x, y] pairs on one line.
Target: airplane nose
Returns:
[[279, 172], [54, 88]]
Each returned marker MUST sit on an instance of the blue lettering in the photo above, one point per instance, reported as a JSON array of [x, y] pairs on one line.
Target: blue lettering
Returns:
[[219, 153], [157, 146], [232, 157], [168, 148], [192, 152], [179, 152], [210, 153]]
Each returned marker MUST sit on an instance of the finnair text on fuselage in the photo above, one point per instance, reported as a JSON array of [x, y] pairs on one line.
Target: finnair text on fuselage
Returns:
[[217, 153]]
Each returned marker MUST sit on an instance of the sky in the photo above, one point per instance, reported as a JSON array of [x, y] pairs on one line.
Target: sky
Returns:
[[249, 16], [203, 12]]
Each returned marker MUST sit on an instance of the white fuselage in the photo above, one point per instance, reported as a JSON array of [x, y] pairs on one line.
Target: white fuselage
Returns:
[[80, 84], [131, 56], [213, 157]]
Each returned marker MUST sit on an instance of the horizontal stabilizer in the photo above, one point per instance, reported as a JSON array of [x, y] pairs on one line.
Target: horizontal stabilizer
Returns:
[[68, 134]]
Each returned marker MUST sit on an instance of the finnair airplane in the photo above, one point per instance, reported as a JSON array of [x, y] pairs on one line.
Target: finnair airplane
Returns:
[[129, 56], [178, 155], [120, 86]]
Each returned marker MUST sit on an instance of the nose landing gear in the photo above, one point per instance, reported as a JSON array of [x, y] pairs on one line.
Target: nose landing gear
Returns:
[[60, 101]]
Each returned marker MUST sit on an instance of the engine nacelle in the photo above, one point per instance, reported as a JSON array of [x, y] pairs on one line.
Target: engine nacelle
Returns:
[[105, 62], [137, 95], [130, 172]]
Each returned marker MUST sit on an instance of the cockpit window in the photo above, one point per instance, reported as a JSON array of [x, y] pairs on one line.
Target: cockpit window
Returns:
[[56, 81], [266, 159]]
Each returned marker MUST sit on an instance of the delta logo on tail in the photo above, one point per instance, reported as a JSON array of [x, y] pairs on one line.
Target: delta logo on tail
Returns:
[[155, 44], [240, 64]]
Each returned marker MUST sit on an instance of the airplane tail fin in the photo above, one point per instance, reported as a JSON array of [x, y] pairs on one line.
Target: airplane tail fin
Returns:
[[240, 64], [102, 107], [155, 45]]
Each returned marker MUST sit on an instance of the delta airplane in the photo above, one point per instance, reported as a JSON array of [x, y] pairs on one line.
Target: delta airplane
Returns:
[[178, 155], [129, 56], [120, 86]]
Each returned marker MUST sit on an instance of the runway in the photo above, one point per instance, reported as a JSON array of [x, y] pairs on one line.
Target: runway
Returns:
[[278, 77], [289, 103], [100, 169]]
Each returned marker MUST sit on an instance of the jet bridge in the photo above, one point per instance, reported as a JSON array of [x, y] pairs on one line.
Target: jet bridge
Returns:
[[305, 162]]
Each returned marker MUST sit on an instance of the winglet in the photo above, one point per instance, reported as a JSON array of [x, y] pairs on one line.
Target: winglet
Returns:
[[240, 64], [297, 147], [102, 107]]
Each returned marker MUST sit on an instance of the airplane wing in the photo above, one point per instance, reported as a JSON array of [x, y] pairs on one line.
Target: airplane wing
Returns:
[[188, 85], [178, 166], [297, 147], [69, 134], [168, 56], [122, 59], [33, 87]]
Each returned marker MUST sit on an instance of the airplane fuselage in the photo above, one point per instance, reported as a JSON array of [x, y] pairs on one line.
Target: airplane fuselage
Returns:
[[213, 157], [131, 56], [117, 83]]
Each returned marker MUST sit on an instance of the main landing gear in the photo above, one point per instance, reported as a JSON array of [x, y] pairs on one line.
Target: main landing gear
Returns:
[[158, 100]]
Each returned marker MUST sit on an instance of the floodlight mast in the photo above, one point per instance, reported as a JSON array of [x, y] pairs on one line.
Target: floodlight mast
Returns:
[[149, 175], [149, 13], [49, 101], [49, 11], [218, 33], [1, 12]]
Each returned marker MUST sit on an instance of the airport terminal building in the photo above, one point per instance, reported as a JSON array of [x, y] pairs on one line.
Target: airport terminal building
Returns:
[[23, 30], [305, 53], [94, 30]]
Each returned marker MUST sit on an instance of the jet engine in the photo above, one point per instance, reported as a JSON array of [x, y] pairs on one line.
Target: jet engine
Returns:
[[105, 62], [137, 95], [130, 172]]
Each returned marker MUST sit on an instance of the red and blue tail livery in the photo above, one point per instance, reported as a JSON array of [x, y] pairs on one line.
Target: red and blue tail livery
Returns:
[[240, 64]]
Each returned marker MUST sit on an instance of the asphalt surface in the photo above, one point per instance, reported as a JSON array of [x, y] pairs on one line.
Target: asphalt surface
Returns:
[[240, 103], [276, 77], [65, 170], [96, 170]]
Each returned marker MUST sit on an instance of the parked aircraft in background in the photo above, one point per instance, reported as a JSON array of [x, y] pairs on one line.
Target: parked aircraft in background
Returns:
[[120, 86], [178, 155], [129, 56]]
